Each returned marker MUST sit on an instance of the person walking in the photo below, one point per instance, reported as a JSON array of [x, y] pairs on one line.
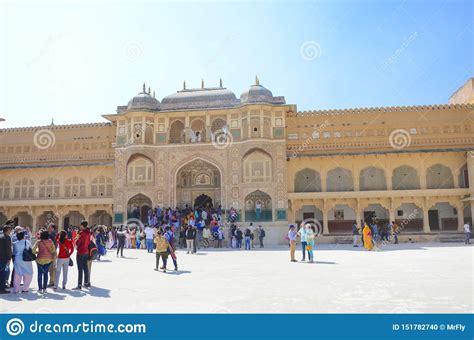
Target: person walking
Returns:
[[46, 252], [396, 231], [292, 235], [23, 269], [100, 241], [261, 235], [310, 235], [467, 231], [121, 237], [355, 234], [169, 236], [302, 234], [5, 257], [162, 246], [52, 267], [368, 244], [65, 250], [82, 255], [190, 236]]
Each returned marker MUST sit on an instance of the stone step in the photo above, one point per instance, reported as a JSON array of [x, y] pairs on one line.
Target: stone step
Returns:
[[455, 237], [344, 239]]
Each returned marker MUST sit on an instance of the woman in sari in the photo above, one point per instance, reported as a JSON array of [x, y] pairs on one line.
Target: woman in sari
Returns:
[[368, 244]]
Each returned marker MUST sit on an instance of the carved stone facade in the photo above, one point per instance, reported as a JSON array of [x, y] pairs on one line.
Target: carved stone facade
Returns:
[[413, 165]]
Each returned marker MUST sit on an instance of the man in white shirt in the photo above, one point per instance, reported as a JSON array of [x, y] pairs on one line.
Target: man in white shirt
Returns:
[[467, 231], [149, 236]]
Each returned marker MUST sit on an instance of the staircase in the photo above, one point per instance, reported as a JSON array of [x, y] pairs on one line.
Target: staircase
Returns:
[[452, 237]]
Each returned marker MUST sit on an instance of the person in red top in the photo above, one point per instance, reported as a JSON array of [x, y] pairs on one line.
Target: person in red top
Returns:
[[66, 248], [82, 246]]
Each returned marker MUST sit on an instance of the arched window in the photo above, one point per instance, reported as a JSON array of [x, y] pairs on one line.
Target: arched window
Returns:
[[339, 179], [257, 167], [140, 171], [405, 178], [307, 180], [75, 187], [439, 177], [101, 186], [176, 132], [217, 124], [372, 178], [4, 189], [49, 188], [25, 188]]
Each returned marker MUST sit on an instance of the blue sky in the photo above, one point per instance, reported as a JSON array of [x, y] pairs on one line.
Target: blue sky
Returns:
[[78, 60]]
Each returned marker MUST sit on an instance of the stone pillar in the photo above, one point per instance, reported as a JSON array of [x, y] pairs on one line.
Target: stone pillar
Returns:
[[324, 176], [291, 212], [358, 214], [392, 210], [325, 218], [460, 210], [426, 221], [422, 174], [356, 176]]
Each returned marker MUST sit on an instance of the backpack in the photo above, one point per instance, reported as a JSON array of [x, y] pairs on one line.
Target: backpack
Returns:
[[93, 252]]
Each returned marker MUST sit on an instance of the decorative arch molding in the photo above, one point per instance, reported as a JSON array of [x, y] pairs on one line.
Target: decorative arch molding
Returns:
[[383, 202], [189, 159], [148, 155], [181, 163], [263, 149]]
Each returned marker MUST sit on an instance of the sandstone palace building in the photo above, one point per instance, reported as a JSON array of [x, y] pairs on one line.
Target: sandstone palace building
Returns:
[[413, 165]]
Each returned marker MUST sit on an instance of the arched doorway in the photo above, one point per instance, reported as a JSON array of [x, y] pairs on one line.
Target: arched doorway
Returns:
[[258, 207], [203, 201], [138, 207], [198, 182], [73, 218], [101, 217]]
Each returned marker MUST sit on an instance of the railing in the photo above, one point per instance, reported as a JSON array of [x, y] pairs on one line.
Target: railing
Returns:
[[262, 216]]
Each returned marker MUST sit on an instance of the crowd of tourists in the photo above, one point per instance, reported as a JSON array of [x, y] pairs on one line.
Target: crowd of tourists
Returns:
[[52, 253], [166, 231]]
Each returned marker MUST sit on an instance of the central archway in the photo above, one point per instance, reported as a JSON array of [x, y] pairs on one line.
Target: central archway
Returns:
[[138, 207], [198, 183]]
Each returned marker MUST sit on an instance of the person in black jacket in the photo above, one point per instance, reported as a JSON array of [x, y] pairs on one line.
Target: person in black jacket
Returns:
[[190, 237], [239, 236], [261, 235], [5, 257]]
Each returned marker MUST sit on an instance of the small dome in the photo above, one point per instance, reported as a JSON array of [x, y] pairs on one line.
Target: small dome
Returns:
[[257, 93], [143, 100]]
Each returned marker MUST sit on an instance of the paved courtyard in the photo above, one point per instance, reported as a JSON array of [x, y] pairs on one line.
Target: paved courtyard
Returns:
[[405, 278]]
